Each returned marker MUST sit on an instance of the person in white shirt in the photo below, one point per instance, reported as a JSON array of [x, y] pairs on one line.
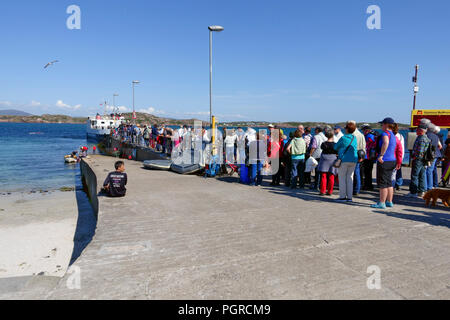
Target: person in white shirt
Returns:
[[316, 151], [250, 135], [397, 175], [337, 133], [230, 140], [361, 146], [240, 141]]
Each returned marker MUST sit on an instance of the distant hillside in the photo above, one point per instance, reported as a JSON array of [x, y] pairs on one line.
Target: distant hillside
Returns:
[[13, 112], [141, 118], [146, 118], [45, 118]]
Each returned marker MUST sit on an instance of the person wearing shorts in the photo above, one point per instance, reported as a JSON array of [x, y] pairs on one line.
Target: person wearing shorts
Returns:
[[386, 163]]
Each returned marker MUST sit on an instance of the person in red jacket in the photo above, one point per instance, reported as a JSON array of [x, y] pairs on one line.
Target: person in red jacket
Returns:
[[274, 152], [398, 158]]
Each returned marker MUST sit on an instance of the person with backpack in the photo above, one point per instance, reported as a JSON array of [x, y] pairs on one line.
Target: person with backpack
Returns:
[[257, 158], [146, 136], [297, 150], [419, 156], [316, 152], [307, 136], [397, 177], [361, 145], [327, 170], [386, 163], [437, 146], [287, 160], [347, 148], [370, 158]]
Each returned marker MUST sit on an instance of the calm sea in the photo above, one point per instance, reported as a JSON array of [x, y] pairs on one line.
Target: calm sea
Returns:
[[32, 155]]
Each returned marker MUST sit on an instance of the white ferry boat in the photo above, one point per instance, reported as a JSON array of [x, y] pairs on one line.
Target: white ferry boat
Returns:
[[100, 126]]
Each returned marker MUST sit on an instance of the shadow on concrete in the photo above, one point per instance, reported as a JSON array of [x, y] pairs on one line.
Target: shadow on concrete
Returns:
[[432, 218], [86, 223], [313, 195]]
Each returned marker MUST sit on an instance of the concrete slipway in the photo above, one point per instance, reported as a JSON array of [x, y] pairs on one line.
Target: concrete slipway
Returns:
[[186, 237]]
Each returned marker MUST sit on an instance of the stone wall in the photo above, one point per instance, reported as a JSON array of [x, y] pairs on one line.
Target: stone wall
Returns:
[[90, 184]]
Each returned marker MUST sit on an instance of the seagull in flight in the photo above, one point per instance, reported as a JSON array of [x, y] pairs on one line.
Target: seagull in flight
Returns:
[[50, 63]]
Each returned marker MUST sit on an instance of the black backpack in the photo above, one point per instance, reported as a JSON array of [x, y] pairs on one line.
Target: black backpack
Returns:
[[430, 154]]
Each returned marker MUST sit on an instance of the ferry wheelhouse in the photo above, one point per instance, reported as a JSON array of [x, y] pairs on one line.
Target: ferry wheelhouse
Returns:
[[100, 126]]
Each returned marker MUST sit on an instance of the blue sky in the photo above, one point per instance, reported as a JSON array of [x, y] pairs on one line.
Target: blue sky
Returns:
[[275, 60]]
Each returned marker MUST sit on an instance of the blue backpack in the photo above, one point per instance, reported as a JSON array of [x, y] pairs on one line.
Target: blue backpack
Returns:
[[213, 167]]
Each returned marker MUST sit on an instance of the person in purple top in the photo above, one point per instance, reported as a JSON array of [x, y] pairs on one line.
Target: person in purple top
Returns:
[[386, 163]]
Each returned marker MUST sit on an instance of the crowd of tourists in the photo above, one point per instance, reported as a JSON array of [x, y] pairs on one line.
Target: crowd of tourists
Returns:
[[342, 157], [158, 137], [319, 158]]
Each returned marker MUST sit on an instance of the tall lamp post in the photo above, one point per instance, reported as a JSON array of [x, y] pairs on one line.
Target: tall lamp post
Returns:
[[211, 30], [134, 113]]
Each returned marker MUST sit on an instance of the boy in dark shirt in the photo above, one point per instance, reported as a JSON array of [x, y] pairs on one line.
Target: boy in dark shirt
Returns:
[[115, 181]]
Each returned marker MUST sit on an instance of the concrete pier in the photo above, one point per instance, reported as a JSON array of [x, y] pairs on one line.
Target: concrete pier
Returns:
[[186, 237]]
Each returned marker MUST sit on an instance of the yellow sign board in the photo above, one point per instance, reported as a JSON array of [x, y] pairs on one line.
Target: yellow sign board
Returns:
[[439, 117]]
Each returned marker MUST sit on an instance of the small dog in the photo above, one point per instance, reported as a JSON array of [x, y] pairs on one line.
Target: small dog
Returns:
[[434, 194]]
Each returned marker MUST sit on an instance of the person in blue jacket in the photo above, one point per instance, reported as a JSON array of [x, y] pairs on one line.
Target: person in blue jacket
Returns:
[[348, 153]]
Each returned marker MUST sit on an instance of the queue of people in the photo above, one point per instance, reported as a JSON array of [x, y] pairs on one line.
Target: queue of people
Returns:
[[332, 156], [344, 157], [156, 137]]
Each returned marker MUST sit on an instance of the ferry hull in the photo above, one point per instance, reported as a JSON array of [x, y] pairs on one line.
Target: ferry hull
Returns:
[[94, 137]]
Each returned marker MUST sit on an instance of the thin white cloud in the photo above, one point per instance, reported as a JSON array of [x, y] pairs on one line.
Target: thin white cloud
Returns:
[[61, 104], [122, 109], [151, 110], [35, 103], [198, 113], [245, 95], [348, 97], [5, 103], [222, 117]]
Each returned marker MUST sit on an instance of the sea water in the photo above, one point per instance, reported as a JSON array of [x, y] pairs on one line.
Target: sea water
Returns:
[[32, 155]]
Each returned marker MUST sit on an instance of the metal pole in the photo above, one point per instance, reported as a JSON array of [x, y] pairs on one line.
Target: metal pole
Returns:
[[134, 120], [210, 78]]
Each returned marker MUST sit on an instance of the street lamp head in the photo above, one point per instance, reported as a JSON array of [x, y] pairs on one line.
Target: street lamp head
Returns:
[[115, 94], [136, 81], [215, 28]]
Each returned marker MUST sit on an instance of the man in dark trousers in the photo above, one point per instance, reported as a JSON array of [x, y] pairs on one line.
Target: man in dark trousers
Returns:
[[115, 181]]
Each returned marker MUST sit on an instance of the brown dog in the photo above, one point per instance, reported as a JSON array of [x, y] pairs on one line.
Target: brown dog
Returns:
[[436, 194]]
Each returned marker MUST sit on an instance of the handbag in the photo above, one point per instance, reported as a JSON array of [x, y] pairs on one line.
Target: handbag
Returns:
[[338, 162]]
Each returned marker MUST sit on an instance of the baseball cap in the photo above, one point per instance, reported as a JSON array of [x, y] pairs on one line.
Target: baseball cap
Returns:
[[270, 126], [423, 126], [337, 127], [387, 121]]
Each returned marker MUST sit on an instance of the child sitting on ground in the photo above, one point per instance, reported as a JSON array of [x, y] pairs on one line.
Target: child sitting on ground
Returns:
[[115, 182]]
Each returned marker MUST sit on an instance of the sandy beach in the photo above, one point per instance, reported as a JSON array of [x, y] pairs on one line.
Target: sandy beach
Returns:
[[36, 233]]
